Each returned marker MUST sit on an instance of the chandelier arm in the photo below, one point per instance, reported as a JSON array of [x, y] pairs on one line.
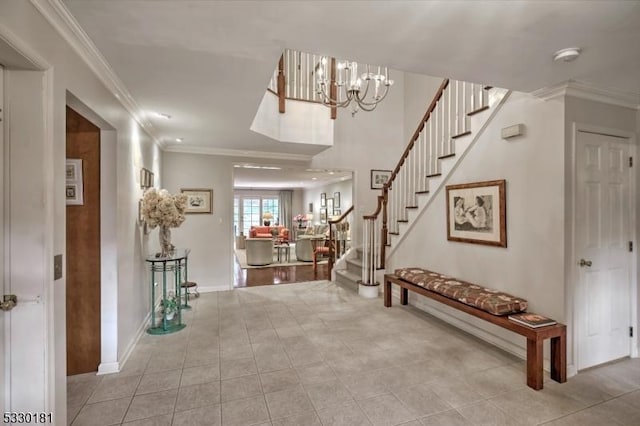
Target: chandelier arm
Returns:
[[330, 102], [361, 101]]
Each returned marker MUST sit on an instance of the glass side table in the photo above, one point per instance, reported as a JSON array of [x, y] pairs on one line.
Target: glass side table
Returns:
[[168, 267]]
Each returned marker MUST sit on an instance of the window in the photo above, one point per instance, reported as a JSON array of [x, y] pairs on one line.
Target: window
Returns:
[[248, 211]]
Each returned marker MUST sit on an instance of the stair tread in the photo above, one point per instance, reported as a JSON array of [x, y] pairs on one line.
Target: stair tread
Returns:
[[442, 157], [357, 262], [349, 275], [459, 135], [422, 192]]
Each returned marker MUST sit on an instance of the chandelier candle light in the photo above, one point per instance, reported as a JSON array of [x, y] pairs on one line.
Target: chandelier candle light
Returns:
[[349, 86]]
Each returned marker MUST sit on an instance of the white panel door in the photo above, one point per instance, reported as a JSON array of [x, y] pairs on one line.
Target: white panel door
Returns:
[[603, 233], [5, 344]]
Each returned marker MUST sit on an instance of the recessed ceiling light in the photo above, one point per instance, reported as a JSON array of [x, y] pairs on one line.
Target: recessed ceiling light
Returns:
[[331, 173], [163, 115], [314, 178], [179, 139], [567, 55]]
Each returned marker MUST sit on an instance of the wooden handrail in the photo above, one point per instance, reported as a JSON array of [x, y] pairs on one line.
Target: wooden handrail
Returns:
[[378, 209], [341, 218], [281, 84], [427, 114]]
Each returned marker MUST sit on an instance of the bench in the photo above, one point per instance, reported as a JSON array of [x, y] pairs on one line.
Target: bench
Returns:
[[557, 333]]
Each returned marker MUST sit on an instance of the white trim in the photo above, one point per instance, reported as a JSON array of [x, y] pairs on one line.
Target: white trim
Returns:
[[23, 49], [59, 17], [585, 90], [108, 368], [572, 282], [206, 150], [132, 344], [213, 288]]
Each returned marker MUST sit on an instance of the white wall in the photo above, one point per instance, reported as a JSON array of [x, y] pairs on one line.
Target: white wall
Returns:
[[209, 236], [419, 91], [302, 122], [532, 266], [312, 195], [23, 24]]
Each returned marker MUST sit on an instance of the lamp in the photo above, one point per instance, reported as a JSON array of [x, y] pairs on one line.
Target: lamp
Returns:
[[267, 218], [349, 85]]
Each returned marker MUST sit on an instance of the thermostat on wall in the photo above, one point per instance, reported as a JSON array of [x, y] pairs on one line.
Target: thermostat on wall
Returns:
[[512, 131]]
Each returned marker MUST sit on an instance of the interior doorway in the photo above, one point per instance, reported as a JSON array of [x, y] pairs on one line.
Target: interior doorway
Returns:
[[83, 244], [604, 224]]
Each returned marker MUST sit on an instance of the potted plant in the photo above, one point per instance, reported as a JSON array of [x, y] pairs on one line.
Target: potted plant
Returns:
[[170, 306]]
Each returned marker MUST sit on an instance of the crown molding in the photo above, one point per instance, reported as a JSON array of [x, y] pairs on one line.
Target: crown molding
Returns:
[[586, 90], [197, 149], [57, 14]]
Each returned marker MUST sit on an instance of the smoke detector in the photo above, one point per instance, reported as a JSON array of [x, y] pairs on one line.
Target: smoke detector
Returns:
[[567, 55]]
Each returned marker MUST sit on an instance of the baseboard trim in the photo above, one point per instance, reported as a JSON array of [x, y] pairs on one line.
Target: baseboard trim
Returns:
[[131, 346], [211, 289], [108, 368]]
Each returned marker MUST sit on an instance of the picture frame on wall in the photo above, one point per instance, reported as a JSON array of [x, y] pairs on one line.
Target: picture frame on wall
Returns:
[[477, 213], [323, 215], [323, 199], [74, 188], [379, 178], [199, 200], [140, 215], [330, 205], [337, 212], [336, 199]]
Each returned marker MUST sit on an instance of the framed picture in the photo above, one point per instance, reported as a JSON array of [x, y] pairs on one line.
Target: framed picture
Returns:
[[74, 188], [199, 200], [477, 213], [323, 215], [140, 215], [330, 205], [337, 212], [143, 178], [310, 207], [323, 199], [379, 178], [151, 179], [336, 199]]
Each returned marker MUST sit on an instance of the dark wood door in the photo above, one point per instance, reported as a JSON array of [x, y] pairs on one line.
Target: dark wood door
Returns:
[[83, 250]]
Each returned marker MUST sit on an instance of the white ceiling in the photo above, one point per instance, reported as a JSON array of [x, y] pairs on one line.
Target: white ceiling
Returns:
[[207, 63], [245, 176]]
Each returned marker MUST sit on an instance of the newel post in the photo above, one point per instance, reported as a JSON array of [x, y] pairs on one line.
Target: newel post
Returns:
[[281, 90], [384, 229]]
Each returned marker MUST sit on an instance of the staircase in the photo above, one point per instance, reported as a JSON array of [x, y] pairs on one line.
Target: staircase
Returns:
[[349, 277], [455, 119]]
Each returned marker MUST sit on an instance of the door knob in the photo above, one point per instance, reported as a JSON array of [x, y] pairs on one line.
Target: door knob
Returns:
[[584, 263]]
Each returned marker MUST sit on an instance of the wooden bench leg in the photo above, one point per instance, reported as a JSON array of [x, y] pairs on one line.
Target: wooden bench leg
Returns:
[[387, 293], [404, 295], [559, 358], [534, 363]]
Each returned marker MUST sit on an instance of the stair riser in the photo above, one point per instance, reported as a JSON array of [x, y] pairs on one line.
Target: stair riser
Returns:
[[346, 283], [354, 268]]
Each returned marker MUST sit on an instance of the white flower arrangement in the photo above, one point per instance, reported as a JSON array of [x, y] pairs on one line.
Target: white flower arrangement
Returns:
[[160, 208]]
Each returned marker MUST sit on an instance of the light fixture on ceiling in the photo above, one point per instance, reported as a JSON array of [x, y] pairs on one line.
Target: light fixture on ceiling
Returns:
[[163, 115], [569, 54], [349, 85], [179, 140]]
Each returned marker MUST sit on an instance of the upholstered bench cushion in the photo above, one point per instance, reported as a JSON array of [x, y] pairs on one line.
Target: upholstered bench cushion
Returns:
[[492, 301]]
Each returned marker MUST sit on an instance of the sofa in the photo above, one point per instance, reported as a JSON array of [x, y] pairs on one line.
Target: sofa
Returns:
[[259, 251], [265, 232]]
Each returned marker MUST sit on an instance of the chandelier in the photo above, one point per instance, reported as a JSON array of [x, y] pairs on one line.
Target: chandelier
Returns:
[[349, 86]]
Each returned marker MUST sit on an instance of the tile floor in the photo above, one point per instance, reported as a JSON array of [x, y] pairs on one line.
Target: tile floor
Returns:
[[316, 354]]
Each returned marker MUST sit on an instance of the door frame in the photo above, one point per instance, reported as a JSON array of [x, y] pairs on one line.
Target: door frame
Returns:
[[571, 266]]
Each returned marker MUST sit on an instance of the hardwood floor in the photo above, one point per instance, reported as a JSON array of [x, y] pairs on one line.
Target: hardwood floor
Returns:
[[277, 275]]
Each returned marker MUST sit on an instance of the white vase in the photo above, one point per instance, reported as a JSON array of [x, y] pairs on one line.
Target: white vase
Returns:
[[166, 248]]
